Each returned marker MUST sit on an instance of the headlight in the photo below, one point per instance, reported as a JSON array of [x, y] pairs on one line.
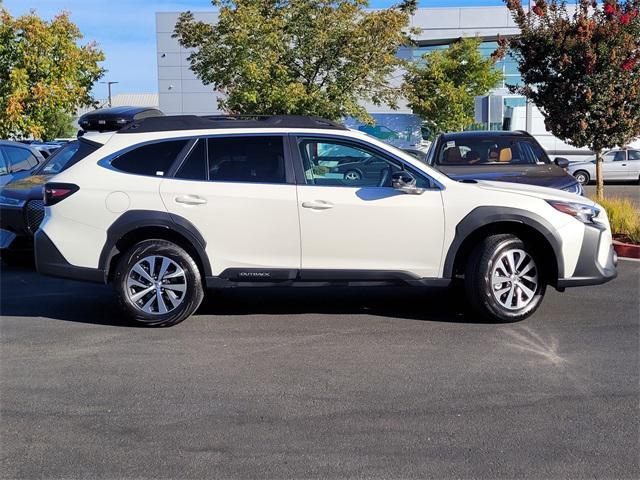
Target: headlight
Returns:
[[11, 202], [579, 211], [574, 188]]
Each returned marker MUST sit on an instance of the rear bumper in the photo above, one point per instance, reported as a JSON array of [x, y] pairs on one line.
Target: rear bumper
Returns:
[[49, 261], [22, 221], [588, 270], [12, 226]]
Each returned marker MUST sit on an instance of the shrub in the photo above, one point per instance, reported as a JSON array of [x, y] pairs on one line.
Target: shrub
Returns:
[[624, 217]]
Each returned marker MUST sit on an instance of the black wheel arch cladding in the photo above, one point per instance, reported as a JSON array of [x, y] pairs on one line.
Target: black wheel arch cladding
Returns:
[[483, 217], [134, 220]]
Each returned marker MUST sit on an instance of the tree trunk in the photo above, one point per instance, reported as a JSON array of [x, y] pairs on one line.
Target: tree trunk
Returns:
[[599, 179]]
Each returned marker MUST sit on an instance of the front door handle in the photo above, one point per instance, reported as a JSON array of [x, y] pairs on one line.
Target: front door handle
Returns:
[[318, 205], [191, 200]]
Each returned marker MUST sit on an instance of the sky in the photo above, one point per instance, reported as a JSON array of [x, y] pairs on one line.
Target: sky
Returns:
[[125, 31]]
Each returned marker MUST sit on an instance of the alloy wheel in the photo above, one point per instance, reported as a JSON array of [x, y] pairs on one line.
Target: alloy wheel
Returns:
[[156, 285], [581, 178], [352, 176], [514, 279]]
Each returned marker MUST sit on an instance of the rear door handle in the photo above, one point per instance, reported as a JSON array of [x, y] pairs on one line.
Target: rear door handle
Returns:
[[317, 205], [191, 200]]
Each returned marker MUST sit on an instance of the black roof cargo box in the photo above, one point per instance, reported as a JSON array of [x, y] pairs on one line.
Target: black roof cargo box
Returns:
[[114, 118]]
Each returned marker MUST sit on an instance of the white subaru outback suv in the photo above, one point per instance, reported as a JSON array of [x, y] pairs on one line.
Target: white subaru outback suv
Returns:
[[169, 206]]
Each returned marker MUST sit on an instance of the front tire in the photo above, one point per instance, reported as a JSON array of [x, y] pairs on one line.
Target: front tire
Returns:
[[503, 280], [582, 177], [352, 176], [158, 284]]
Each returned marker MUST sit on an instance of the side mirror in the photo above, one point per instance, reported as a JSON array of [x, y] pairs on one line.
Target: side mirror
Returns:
[[405, 182], [561, 162]]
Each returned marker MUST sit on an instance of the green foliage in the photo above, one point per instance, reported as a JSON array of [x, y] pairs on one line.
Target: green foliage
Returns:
[[44, 74], [306, 57], [581, 69], [442, 87], [624, 217], [59, 125]]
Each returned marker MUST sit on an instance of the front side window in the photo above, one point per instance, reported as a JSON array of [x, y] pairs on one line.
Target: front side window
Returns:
[[532, 152], [153, 159], [620, 156], [489, 151], [248, 159], [342, 164], [20, 159]]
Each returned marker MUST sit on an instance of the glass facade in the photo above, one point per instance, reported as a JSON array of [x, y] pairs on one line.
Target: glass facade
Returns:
[[507, 65], [403, 130]]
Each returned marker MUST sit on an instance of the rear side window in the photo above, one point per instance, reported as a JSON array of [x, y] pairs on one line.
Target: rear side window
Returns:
[[247, 159], [153, 159], [194, 166], [67, 155], [20, 159], [634, 155]]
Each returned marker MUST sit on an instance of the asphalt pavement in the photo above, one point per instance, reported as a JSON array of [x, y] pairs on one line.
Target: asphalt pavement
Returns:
[[629, 191], [319, 383]]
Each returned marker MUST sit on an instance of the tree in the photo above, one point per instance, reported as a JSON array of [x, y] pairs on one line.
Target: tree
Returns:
[[44, 73], [581, 70], [306, 57], [442, 86], [59, 125]]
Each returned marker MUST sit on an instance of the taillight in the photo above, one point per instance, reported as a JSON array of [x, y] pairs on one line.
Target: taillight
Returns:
[[56, 192]]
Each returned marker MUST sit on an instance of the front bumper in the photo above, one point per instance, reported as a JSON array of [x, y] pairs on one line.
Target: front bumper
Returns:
[[49, 261], [590, 271]]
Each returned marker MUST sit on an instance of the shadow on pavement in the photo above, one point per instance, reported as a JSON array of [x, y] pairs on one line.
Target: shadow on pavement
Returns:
[[24, 293]]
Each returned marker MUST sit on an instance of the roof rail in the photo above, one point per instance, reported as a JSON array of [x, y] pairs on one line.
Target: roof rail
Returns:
[[194, 122]]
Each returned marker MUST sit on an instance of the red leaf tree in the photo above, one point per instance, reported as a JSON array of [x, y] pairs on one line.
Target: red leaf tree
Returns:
[[582, 70]]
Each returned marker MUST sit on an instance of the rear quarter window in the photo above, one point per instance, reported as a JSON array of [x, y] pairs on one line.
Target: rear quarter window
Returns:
[[153, 159], [68, 155]]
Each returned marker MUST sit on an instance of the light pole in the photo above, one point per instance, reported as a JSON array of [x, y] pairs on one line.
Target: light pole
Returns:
[[109, 88]]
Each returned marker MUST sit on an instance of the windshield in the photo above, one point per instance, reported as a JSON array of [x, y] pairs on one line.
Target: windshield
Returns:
[[66, 156], [489, 151]]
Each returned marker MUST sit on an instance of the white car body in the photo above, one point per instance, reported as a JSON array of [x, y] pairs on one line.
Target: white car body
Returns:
[[310, 231], [617, 165]]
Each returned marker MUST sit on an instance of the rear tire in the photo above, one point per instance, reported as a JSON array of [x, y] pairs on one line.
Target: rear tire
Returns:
[[503, 279], [582, 177], [158, 284]]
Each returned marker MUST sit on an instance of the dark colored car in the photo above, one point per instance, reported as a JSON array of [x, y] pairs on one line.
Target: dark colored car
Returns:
[[45, 148], [505, 156], [21, 202], [419, 154], [17, 160], [114, 118]]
